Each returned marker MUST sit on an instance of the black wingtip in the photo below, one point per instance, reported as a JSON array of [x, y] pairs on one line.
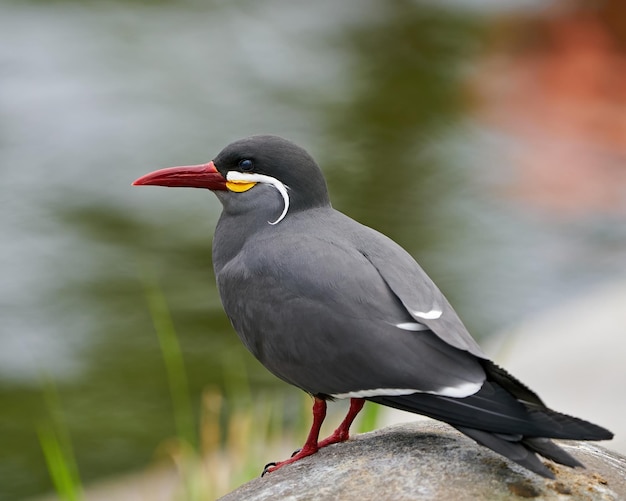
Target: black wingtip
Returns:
[[555, 424]]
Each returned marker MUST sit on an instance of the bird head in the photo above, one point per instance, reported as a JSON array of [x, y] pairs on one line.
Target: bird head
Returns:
[[253, 174]]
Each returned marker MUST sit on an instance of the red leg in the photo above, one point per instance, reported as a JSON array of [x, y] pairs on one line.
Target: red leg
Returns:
[[342, 433], [310, 446]]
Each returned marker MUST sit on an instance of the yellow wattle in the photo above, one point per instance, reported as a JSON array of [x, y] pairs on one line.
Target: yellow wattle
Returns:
[[239, 186]]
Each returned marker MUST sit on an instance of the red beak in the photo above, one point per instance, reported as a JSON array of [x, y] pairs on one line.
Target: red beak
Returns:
[[192, 176]]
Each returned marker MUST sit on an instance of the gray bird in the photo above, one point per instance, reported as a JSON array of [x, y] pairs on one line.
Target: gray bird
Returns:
[[341, 311]]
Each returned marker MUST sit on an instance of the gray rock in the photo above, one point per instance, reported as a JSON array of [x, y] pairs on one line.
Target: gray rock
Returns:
[[431, 461]]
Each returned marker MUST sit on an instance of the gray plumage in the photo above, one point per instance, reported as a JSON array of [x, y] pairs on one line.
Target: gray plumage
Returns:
[[338, 309]]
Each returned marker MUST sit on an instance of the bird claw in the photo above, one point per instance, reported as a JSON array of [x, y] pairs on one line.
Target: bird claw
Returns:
[[267, 468], [297, 451]]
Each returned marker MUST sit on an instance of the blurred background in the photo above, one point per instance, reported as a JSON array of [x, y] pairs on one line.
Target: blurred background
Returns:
[[486, 137]]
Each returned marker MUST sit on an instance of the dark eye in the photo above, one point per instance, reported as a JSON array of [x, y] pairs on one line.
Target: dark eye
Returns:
[[246, 164]]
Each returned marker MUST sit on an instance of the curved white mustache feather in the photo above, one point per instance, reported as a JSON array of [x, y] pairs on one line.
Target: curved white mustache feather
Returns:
[[234, 175]]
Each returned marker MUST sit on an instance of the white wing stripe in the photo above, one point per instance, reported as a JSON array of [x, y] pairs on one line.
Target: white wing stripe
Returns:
[[460, 391], [428, 315], [412, 326]]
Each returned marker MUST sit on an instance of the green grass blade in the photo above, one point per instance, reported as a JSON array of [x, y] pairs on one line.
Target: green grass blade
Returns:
[[57, 449], [173, 359]]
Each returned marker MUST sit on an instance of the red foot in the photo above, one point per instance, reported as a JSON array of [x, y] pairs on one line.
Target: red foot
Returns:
[[341, 434], [304, 452]]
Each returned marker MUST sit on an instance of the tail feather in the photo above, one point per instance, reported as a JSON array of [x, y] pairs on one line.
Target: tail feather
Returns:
[[513, 450], [495, 410], [550, 450], [514, 424]]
